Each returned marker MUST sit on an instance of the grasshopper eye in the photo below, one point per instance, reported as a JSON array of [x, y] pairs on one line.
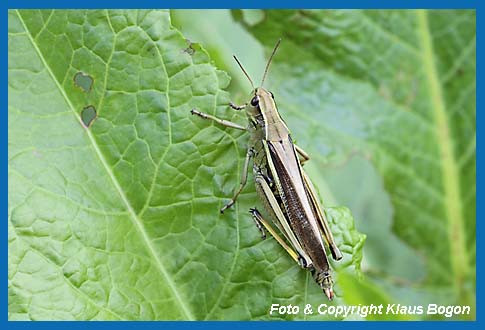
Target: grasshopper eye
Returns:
[[254, 101]]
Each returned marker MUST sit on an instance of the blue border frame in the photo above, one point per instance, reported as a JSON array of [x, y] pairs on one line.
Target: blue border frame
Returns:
[[236, 325], [381, 4]]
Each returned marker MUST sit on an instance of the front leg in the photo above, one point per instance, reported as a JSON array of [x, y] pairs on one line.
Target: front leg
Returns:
[[223, 122], [238, 107]]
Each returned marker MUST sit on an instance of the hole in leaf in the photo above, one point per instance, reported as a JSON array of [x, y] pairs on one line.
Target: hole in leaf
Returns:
[[88, 115], [83, 81]]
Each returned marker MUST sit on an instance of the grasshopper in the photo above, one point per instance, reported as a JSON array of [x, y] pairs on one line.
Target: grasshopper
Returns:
[[283, 186]]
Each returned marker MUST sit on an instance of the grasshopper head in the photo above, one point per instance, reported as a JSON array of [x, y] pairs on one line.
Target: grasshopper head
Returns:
[[324, 279], [262, 105], [261, 95]]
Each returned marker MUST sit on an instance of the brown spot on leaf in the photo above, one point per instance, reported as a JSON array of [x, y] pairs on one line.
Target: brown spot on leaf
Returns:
[[189, 50]]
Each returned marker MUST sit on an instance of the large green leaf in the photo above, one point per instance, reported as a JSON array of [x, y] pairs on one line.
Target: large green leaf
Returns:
[[399, 88], [115, 190]]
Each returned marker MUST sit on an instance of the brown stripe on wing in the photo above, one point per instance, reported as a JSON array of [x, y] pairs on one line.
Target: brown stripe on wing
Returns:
[[286, 164]]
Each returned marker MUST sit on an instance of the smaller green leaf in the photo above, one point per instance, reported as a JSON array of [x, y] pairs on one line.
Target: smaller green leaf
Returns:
[[351, 241]]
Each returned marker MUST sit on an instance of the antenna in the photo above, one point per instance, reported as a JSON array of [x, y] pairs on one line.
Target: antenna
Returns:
[[269, 61], [242, 68]]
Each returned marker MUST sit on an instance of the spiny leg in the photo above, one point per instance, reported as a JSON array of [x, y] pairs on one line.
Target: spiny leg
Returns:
[[304, 156], [275, 211], [336, 254], [244, 179], [258, 223], [259, 219], [223, 122]]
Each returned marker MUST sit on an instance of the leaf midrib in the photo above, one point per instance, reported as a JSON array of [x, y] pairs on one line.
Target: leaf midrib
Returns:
[[134, 218], [450, 173]]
